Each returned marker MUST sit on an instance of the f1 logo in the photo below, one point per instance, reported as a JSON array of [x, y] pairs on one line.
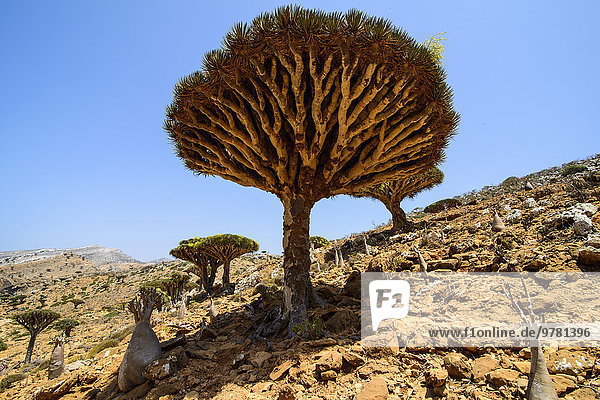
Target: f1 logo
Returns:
[[389, 300]]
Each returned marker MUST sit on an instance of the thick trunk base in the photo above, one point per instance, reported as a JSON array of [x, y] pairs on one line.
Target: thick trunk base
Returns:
[[400, 222], [296, 261]]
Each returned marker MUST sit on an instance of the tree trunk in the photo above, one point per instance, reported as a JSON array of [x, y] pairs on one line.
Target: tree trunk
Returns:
[[296, 258], [226, 281], [29, 353], [399, 221], [539, 385]]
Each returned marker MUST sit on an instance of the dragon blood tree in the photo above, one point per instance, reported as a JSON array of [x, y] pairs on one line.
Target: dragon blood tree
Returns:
[[306, 105], [205, 266], [35, 321], [225, 248], [66, 326], [392, 193]]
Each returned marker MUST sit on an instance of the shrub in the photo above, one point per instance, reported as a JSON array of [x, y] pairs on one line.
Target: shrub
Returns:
[[10, 379], [121, 334], [510, 181], [572, 169], [107, 344], [442, 205], [3, 345], [314, 329], [318, 241]]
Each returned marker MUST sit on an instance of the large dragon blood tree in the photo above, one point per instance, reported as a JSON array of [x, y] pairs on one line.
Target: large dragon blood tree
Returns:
[[306, 105], [392, 193]]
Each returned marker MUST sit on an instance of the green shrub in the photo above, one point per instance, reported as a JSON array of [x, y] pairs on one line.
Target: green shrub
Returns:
[[121, 334], [3, 345], [314, 329], [510, 181], [318, 241], [102, 346], [572, 169], [441, 205], [8, 381]]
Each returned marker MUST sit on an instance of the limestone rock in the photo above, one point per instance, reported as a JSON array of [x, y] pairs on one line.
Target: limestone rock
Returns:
[[281, 370], [581, 394], [522, 366], [502, 377], [569, 362], [482, 366], [375, 389], [458, 366], [436, 377], [514, 215], [563, 383], [260, 358], [530, 203]]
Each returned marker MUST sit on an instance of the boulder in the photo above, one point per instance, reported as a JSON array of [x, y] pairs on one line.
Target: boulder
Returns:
[[375, 389], [436, 377], [458, 366], [563, 383], [502, 377]]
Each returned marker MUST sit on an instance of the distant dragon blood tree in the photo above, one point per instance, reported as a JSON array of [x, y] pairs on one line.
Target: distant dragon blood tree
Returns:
[[35, 321], [306, 105], [393, 192], [225, 248], [66, 326], [205, 266]]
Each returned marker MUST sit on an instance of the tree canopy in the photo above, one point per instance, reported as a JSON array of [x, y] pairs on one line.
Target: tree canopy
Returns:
[[36, 321], [314, 102], [400, 189], [393, 192]]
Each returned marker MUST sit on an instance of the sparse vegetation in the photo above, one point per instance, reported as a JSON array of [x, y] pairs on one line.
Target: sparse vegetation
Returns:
[[442, 205], [105, 344], [318, 241], [572, 169], [310, 329], [9, 380]]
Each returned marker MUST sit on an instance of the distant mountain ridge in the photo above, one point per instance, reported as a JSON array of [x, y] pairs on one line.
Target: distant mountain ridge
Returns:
[[97, 255]]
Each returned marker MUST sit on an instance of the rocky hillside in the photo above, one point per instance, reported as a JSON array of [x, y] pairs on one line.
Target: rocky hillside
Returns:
[[552, 224], [96, 255]]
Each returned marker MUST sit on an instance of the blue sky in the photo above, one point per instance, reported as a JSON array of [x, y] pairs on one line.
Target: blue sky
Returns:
[[84, 159]]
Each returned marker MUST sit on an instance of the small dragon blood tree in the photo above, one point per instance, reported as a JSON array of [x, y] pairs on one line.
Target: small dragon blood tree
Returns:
[[144, 346], [66, 326], [306, 105], [204, 265], [35, 321], [225, 248], [393, 192]]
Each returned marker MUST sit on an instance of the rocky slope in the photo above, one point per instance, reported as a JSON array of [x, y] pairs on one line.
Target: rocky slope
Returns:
[[552, 224], [97, 255]]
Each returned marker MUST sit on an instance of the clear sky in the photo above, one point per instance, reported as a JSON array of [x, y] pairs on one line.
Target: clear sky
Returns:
[[84, 159]]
